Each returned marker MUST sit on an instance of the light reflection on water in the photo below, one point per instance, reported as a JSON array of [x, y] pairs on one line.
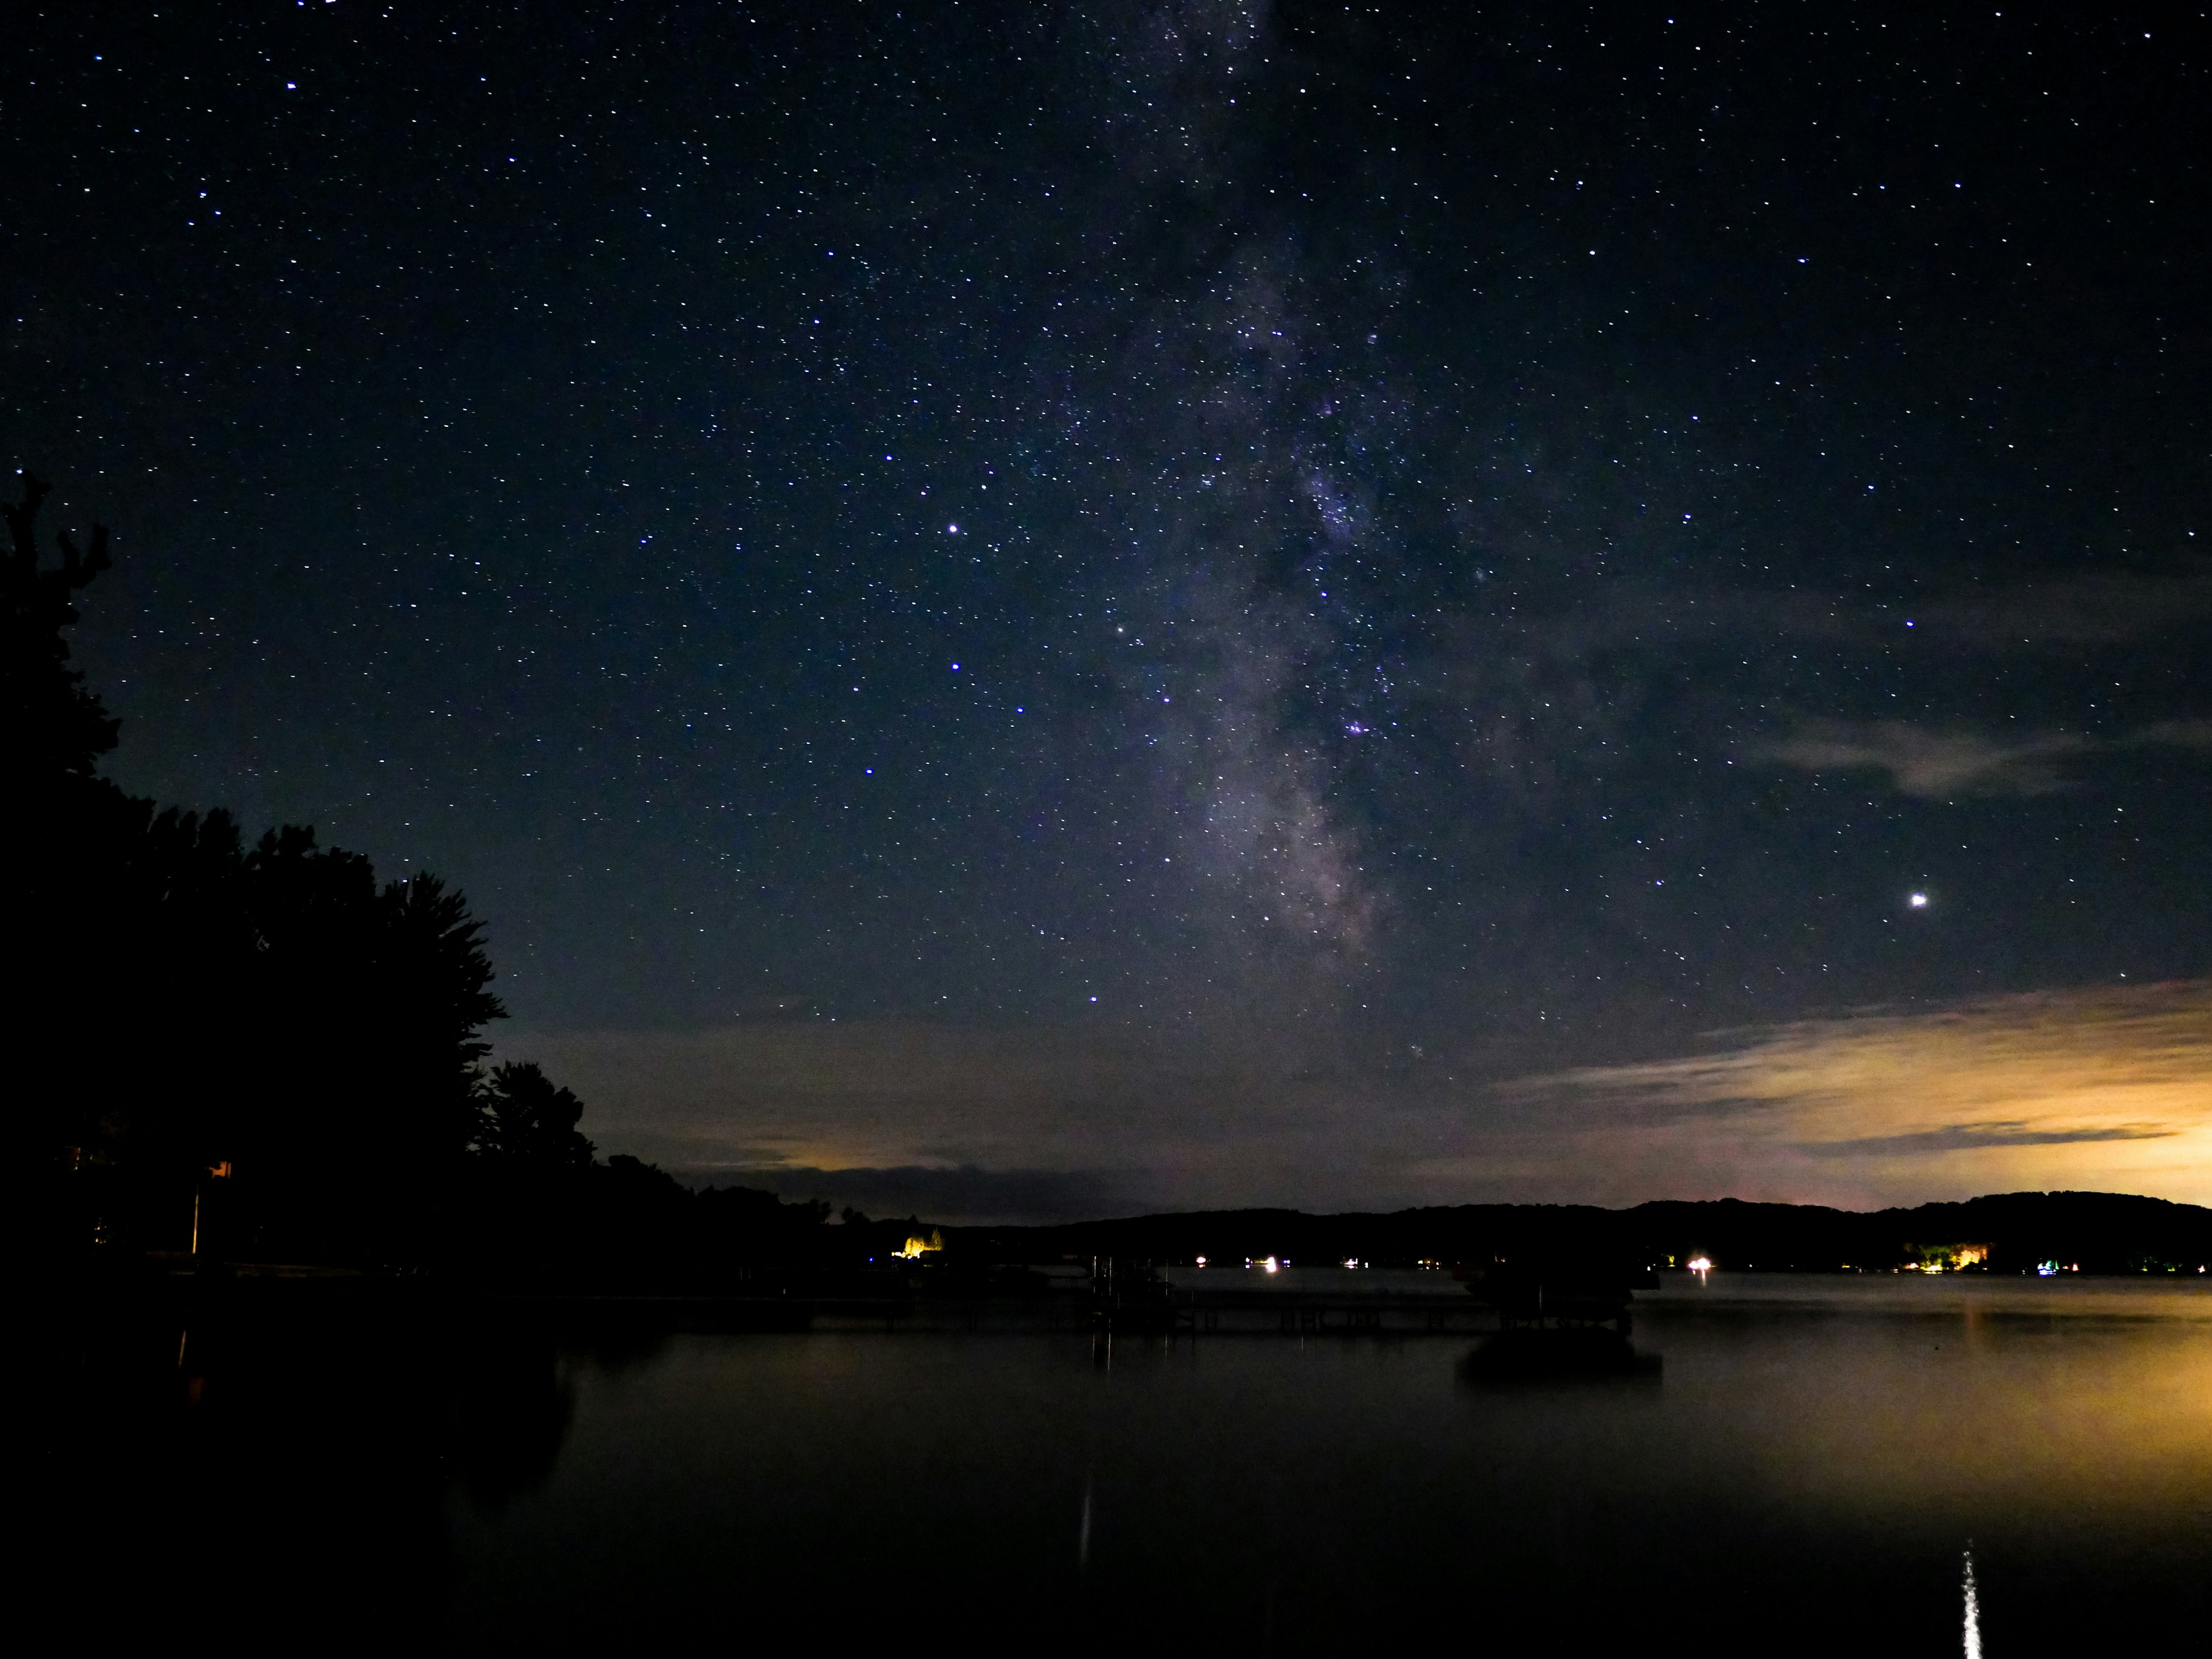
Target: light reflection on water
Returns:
[[1973, 1605], [1816, 1461]]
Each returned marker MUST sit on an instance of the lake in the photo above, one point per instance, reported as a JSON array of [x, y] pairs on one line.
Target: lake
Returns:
[[1812, 1469]]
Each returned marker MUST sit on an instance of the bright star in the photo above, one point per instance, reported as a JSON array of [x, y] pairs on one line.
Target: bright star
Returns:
[[1918, 901]]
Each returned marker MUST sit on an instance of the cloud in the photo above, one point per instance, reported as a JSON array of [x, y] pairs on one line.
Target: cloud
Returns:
[[2112, 609], [1961, 1137], [963, 1195], [2175, 734], [993, 1121], [1922, 761], [2096, 608], [2101, 1087], [2005, 1091], [1943, 764], [860, 1094], [1539, 699]]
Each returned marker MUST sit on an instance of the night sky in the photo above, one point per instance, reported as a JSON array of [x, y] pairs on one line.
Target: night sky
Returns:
[[1043, 609]]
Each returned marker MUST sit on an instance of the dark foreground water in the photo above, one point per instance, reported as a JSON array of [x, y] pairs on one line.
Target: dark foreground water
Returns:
[[1808, 1473]]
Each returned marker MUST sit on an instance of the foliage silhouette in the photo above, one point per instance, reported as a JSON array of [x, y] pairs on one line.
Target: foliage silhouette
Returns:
[[527, 1117], [272, 1010], [192, 1004], [56, 727]]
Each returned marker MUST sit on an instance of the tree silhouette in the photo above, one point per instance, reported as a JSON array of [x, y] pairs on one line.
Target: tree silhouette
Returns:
[[370, 1002], [57, 728], [187, 1002], [68, 833], [529, 1119]]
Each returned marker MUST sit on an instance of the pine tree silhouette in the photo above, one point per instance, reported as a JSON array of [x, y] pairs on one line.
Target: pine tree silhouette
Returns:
[[56, 726], [529, 1118], [187, 1002]]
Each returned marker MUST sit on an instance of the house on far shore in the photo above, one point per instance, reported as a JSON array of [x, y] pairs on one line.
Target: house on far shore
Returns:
[[1946, 1258]]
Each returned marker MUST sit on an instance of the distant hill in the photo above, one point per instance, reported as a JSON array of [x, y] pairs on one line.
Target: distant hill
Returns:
[[2094, 1232]]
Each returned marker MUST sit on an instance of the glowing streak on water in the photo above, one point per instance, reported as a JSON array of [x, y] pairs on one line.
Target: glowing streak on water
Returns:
[[1973, 1610]]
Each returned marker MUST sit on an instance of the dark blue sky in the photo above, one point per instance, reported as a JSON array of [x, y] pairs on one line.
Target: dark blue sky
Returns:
[[1415, 545]]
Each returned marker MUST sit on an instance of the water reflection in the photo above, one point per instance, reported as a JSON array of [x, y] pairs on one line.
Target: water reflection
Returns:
[[1814, 1460], [1973, 1601], [1522, 1357], [513, 1401], [288, 1462]]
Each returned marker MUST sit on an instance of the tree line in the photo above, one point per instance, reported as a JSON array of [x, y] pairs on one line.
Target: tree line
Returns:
[[259, 1040]]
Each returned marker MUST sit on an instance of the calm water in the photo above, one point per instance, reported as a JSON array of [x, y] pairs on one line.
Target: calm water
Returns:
[[1808, 1474]]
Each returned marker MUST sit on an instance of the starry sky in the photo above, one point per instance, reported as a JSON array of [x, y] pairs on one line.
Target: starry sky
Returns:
[[1035, 610]]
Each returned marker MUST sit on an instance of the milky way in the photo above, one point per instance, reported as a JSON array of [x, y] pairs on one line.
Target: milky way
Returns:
[[1286, 569]]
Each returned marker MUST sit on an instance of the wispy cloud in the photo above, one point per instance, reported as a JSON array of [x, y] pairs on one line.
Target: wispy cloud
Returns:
[[2175, 734], [2010, 1090], [2103, 1087], [1923, 761], [2114, 609], [2099, 609], [964, 1194], [1945, 763], [964, 1121], [1966, 1137]]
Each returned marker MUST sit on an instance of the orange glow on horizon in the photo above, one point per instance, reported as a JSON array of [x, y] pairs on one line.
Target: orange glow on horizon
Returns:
[[2103, 1087]]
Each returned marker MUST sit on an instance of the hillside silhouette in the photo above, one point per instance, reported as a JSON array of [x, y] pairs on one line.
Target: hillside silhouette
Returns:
[[2088, 1232]]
